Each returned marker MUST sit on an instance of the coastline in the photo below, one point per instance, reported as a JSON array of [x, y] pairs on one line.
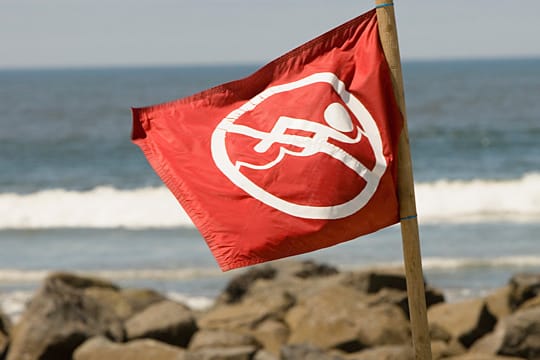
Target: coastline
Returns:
[[285, 310]]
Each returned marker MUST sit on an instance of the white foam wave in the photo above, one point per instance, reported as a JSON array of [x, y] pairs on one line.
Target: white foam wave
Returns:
[[102, 207], [516, 200]]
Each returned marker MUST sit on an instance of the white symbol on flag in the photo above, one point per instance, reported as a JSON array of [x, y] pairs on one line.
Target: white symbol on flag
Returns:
[[339, 122]]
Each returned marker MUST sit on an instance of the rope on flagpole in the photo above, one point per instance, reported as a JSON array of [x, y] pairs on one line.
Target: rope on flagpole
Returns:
[[383, 5]]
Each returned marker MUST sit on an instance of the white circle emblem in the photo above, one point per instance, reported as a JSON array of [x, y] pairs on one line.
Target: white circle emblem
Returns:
[[338, 120]]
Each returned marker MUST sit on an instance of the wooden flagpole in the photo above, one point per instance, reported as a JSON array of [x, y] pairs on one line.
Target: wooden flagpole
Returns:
[[409, 224]]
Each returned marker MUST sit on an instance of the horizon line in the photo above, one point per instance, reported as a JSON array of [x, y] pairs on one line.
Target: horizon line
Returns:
[[255, 64]]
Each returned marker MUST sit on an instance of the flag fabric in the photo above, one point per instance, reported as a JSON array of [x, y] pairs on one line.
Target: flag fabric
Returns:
[[298, 156]]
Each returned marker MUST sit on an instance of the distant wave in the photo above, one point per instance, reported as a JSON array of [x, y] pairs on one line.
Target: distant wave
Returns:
[[32, 276], [480, 200], [19, 276], [434, 263], [461, 263]]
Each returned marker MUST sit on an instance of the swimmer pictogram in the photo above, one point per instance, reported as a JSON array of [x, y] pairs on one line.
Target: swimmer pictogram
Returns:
[[324, 137]]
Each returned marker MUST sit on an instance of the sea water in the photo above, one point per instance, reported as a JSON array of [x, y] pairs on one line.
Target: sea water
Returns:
[[76, 195]]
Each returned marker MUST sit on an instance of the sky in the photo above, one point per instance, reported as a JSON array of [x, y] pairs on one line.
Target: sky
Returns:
[[97, 33]]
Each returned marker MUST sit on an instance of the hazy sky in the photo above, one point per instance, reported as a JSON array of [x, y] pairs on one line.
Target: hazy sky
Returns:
[[39, 33]]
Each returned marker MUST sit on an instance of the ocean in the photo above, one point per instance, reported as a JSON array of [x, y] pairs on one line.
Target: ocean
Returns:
[[77, 195]]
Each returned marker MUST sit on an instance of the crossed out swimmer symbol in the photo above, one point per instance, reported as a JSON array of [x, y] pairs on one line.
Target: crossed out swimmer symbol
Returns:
[[338, 123], [335, 115]]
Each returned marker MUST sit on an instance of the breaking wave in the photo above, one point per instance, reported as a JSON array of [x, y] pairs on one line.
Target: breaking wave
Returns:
[[454, 201]]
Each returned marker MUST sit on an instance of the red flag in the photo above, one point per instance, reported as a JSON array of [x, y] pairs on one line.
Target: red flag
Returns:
[[299, 156]]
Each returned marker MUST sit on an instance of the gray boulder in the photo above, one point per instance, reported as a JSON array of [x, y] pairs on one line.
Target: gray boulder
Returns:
[[166, 321]]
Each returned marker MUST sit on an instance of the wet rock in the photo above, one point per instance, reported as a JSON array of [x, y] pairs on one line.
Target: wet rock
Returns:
[[166, 321]]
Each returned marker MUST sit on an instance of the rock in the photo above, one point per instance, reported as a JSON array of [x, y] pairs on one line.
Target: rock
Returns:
[[284, 271], [399, 298], [390, 286], [265, 355], [481, 357], [522, 288], [220, 338], [272, 335], [388, 352], [226, 353], [465, 321], [60, 317], [5, 323], [140, 299], [4, 342], [5, 328], [530, 303], [305, 352], [374, 281], [441, 349], [239, 285], [338, 317], [166, 321], [437, 332], [99, 348], [498, 302], [517, 335], [310, 269], [244, 316]]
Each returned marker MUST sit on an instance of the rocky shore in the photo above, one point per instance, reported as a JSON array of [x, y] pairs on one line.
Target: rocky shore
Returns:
[[286, 311]]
